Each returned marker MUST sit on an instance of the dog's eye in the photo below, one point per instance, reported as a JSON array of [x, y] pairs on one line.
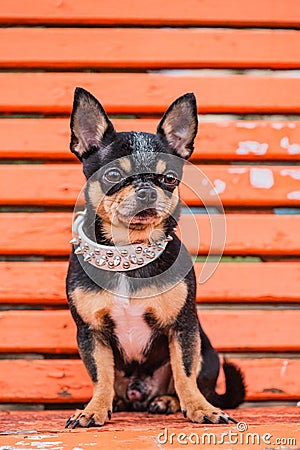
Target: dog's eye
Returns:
[[113, 175], [170, 178]]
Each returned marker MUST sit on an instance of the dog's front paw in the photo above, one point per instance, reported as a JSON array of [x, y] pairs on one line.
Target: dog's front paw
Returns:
[[164, 404], [88, 418], [208, 415]]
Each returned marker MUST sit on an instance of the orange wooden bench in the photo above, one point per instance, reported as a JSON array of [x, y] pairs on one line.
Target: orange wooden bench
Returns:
[[241, 59]]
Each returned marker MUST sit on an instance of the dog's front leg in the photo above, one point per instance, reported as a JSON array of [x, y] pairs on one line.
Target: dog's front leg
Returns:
[[186, 363], [100, 406]]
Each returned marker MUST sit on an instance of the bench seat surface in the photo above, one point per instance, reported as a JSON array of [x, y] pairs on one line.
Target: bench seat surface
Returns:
[[242, 60], [141, 430]]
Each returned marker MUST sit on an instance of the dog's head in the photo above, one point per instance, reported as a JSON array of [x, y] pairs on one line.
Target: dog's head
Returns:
[[132, 177]]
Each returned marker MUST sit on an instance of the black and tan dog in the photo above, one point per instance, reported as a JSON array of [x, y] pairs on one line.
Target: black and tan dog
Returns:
[[138, 331]]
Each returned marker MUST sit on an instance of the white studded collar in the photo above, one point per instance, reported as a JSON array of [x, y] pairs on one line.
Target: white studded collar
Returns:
[[114, 258]]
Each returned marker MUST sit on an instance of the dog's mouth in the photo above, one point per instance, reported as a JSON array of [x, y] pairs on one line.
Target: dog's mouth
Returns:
[[144, 217]]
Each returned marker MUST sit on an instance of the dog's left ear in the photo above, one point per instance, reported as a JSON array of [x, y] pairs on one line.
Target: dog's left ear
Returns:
[[179, 125]]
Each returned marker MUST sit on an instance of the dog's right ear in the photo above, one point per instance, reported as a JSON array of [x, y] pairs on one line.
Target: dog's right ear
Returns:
[[89, 124]]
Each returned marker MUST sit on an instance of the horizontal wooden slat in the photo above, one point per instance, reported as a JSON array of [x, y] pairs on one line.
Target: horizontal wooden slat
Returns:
[[52, 93], [229, 330], [238, 140], [125, 48], [66, 381], [208, 12], [231, 282], [251, 282], [236, 186], [48, 234], [246, 234]]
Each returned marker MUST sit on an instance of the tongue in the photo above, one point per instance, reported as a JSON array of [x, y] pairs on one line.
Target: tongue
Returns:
[[148, 215]]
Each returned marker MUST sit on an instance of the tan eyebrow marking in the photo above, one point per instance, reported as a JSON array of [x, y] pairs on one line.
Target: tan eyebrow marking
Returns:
[[161, 166], [125, 163]]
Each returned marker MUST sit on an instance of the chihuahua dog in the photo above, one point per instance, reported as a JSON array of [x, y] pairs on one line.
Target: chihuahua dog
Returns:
[[131, 284]]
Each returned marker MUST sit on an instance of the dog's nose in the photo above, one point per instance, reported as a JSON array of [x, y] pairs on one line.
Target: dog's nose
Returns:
[[147, 195]]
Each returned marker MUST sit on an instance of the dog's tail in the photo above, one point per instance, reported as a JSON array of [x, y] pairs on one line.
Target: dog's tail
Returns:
[[235, 388]]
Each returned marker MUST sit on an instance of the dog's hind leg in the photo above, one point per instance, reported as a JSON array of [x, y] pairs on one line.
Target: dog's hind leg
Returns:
[[164, 404]]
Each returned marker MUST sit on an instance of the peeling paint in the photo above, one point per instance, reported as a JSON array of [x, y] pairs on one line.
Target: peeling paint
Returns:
[[255, 147], [293, 149], [261, 178], [223, 124], [54, 445], [8, 447], [293, 173], [40, 436], [64, 393], [294, 195], [244, 124], [57, 374], [277, 125], [237, 170], [285, 363], [274, 390], [291, 125], [219, 187]]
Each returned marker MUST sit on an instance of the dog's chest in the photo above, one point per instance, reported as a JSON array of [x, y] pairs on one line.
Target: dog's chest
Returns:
[[131, 329]]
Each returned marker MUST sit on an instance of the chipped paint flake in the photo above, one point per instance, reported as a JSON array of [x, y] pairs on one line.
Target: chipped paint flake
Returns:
[[248, 125], [237, 170], [277, 125], [261, 178], [40, 436], [285, 363], [223, 124], [54, 445], [291, 125], [292, 149], [47, 445], [294, 195], [219, 187], [293, 173], [254, 147]]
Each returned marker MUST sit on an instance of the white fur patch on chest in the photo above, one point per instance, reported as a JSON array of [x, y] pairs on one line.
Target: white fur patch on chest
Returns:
[[131, 329]]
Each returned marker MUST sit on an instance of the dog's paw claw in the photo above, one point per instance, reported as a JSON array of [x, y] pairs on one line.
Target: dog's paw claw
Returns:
[[223, 420], [91, 422], [68, 422], [231, 419], [207, 420], [88, 418], [153, 408], [75, 424], [208, 415]]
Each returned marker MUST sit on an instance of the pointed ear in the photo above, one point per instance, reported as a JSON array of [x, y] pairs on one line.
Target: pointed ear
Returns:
[[179, 125], [89, 124]]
